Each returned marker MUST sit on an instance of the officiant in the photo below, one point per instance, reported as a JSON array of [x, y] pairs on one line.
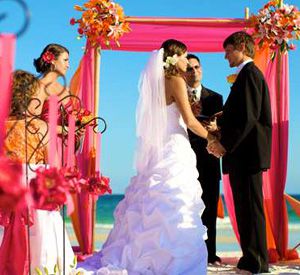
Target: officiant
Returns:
[[205, 103]]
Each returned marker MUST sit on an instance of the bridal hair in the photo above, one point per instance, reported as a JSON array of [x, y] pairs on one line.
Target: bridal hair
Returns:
[[237, 38], [172, 47], [24, 86], [43, 63]]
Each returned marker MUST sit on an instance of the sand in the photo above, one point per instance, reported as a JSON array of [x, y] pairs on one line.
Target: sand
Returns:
[[230, 259]]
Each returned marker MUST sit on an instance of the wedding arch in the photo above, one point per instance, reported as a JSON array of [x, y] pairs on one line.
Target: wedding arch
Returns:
[[200, 35]]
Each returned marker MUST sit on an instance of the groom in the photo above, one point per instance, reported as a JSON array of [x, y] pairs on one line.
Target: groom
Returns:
[[246, 131]]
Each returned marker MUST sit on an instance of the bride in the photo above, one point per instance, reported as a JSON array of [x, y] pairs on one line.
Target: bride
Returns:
[[158, 227]]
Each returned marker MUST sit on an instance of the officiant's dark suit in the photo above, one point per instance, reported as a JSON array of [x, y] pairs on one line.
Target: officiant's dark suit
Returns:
[[208, 166], [246, 131]]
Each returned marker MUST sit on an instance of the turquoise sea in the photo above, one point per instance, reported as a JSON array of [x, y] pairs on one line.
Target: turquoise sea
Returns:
[[107, 203]]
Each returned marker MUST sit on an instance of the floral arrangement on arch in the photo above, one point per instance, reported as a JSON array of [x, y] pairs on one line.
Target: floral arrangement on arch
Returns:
[[276, 25], [97, 185], [102, 21]]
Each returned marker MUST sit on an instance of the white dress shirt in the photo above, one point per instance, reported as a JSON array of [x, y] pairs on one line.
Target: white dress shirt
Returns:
[[241, 66]]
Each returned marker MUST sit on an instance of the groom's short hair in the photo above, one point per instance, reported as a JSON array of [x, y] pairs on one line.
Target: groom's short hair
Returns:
[[237, 38]]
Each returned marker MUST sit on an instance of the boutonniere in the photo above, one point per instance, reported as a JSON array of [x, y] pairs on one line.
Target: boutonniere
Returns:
[[231, 78]]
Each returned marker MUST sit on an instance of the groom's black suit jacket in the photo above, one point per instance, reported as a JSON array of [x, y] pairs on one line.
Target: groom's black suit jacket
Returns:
[[246, 123]]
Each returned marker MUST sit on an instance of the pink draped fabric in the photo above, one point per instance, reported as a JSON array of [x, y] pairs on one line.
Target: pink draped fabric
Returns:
[[274, 180], [13, 251], [71, 142], [230, 204], [7, 55], [52, 149], [200, 35], [83, 218], [277, 76]]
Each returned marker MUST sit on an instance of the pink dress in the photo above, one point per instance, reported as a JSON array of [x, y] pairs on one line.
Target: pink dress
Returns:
[[61, 120]]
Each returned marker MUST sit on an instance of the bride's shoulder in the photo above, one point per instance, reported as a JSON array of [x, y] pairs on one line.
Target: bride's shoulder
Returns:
[[175, 80]]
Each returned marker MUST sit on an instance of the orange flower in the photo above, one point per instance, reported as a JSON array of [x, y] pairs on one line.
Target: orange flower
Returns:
[[231, 78]]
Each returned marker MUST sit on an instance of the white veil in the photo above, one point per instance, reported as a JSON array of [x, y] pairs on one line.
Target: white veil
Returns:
[[151, 115]]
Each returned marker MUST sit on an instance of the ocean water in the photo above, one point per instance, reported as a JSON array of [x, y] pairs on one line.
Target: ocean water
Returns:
[[106, 205]]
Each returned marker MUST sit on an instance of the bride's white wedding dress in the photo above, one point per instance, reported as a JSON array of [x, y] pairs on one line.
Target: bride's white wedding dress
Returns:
[[158, 228]]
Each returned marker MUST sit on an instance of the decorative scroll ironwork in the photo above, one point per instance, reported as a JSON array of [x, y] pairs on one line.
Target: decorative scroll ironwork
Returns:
[[26, 11]]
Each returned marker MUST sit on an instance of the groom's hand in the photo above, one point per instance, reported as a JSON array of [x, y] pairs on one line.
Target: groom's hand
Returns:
[[216, 148]]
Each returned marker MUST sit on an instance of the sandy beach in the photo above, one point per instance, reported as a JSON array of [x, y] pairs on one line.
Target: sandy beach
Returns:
[[227, 246], [228, 250], [230, 259]]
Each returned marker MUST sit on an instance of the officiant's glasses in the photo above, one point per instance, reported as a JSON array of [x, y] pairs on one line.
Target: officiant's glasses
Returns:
[[191, 68]]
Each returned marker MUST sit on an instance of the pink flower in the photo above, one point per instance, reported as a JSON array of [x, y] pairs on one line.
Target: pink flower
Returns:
[[73, 21], [273, 46], [85, 117], [48, 57], [49, 189], [292, 46], [97, 185], [80, 31]]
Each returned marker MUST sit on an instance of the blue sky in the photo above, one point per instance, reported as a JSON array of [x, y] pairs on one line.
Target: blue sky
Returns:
[[120, 70]]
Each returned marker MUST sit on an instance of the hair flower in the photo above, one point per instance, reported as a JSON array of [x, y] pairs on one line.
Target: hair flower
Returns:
[[171, 60], [48, 57]]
